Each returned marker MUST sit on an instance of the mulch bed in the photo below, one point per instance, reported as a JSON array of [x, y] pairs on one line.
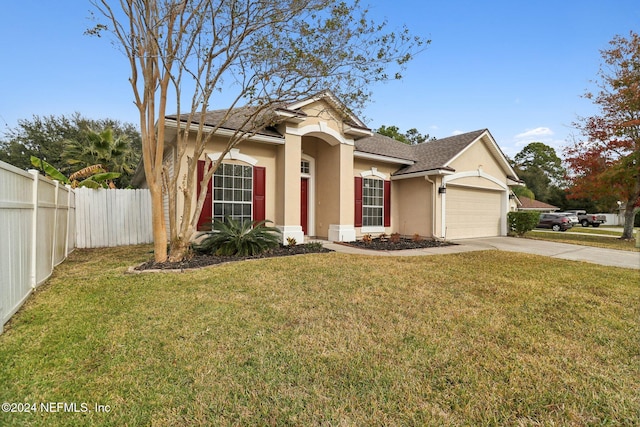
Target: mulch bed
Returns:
[[404, 243], [200, 260]]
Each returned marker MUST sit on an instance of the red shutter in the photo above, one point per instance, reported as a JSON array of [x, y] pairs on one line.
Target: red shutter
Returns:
[[259, 189], [387, 204], [358, 206], [204, 220]]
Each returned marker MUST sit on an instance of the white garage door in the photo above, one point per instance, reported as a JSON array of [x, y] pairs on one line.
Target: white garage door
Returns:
[[472, 212]]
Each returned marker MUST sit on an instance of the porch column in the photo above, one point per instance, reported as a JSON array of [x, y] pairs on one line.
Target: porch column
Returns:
[[288, 188], [345, 230]]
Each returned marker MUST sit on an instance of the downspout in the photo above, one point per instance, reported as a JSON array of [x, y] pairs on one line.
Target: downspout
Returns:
[[433, 207]]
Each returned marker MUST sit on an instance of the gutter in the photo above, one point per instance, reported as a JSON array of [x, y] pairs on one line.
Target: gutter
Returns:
[[382, 158]]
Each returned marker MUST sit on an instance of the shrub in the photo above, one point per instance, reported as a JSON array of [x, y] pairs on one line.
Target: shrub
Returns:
[[291, 241], [241, 238], [521, 222], [417, 238], [383, 237], [395, 238], [314, 246], [367, 239]]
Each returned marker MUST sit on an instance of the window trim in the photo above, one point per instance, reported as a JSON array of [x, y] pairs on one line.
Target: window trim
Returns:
[[223, 202], [376, 227]]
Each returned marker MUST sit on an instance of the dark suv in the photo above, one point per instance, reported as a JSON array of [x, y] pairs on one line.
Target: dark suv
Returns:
[[554, 221]]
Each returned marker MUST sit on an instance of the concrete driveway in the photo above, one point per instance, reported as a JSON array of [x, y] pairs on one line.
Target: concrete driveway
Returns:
[[610, 257]]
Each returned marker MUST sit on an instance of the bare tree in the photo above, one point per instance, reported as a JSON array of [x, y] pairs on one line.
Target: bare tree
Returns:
[[261, 52]]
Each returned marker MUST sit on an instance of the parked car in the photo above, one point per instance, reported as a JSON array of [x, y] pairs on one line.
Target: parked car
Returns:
[[586, 219], [572, 217], [556, 222]]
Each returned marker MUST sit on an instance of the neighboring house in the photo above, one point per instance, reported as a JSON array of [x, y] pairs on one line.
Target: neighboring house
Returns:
[[527, 204], [321, 172]]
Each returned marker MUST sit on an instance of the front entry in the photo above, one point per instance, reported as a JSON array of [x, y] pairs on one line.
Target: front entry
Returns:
[[304, 204]]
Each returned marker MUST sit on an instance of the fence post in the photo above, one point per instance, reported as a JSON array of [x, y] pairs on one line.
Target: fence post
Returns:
[[55, 224], [34, 228], [66, 237]]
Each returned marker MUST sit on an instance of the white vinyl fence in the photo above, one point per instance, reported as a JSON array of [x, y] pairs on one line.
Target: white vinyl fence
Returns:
[[37, 232], [112, 217], [41, 222]]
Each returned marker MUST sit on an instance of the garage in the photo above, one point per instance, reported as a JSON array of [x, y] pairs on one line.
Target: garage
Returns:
[[472, 212]]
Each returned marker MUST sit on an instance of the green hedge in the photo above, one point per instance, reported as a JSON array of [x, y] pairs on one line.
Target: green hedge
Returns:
[[521, 222]]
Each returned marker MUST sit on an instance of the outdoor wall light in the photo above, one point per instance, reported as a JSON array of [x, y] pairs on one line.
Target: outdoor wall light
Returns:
[[442, 190]]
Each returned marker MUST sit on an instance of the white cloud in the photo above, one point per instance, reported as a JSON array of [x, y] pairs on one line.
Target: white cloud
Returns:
[[535, 133], [457, 132], [540, 134]]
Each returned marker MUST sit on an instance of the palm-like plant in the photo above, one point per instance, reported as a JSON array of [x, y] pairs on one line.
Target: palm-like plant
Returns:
[[114, 153], [93, 176], [241, 238]]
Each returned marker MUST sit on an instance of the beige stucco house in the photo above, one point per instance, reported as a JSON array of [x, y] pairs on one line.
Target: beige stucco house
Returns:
[[320, 172]]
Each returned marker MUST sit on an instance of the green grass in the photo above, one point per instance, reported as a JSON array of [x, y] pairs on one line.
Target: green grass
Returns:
[[585, 239], [480, 338], [599, 230]]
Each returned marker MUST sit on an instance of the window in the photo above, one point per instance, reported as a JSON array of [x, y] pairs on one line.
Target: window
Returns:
[[372, 202], [233, 192], [304, 167]]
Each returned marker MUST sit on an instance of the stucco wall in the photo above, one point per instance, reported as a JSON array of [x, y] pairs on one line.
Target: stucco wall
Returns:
[[477, 156], [413, 206], [327, 185], [263, 153]]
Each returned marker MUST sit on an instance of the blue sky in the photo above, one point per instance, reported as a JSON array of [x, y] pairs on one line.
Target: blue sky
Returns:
[[515, 67]]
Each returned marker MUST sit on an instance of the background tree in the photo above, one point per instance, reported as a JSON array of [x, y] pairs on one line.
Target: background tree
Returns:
[[411, 137], [606, 165], [523, 192], [42, 137], [258, 53], [48, 137], [541, 169]]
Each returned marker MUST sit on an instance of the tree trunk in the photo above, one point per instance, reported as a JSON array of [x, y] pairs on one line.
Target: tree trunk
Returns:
[[629, 216], [179, 250], [157, 221]]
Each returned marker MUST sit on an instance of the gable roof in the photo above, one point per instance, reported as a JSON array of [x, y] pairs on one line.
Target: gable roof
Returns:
[[438, 154], [528, 204], [328, 96], [432, 156]]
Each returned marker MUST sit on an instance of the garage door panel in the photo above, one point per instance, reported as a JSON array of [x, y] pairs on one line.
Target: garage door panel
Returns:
[[472, 212]]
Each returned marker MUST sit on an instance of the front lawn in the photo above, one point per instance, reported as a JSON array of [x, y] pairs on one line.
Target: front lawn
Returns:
[[609, 231], [585, 239], [479, 338]]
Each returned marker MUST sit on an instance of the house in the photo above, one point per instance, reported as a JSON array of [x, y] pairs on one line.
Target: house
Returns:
[[527, 204], [321, 172]]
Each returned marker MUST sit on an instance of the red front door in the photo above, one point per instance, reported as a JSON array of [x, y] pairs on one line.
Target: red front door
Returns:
[[304, 204]]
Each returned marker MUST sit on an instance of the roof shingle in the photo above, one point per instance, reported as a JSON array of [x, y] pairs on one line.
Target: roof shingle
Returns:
[[428, 155], [237, 120]]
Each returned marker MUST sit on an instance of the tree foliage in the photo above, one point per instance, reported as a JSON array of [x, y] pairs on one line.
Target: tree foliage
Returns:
[[606, 165], [411, 137], [541, 157], [258, 53], [523, 192], [49, 138], [541, 169], [113, 153]]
